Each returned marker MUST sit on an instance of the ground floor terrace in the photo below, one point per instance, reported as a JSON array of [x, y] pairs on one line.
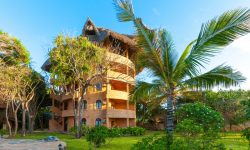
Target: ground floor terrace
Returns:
[[66, 123]]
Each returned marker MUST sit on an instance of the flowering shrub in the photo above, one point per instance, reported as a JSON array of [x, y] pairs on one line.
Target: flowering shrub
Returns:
[[201, 115]]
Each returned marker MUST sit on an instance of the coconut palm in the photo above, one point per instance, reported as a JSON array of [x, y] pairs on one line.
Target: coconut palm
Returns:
[[174, 74]]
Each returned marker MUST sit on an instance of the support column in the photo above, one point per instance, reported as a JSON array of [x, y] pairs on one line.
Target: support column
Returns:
[[128, 99], [107, 109], [127, 122]]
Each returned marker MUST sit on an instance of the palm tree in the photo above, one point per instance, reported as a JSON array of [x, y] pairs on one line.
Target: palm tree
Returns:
[[174, 74]]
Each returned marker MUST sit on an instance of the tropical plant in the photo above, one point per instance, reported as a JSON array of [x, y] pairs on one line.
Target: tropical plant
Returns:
[[246, 134], [175, 74], [205, 121], [76, 64], [97, 135]]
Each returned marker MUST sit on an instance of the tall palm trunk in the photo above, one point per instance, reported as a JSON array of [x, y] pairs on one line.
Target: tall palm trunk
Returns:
[[170, 120], [170, 114]]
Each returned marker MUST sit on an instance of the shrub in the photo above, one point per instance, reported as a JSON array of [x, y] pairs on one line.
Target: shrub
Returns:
[[197, 117], [115, 132], [246, 134], [97, 135], [187, 128], [202, 115], [151, 143], [85, 130], [129, 131], [2, 132]]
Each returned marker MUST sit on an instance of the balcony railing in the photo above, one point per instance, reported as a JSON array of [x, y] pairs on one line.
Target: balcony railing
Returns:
[[115, 94], [120, 77], [120, 59], [121, 113]]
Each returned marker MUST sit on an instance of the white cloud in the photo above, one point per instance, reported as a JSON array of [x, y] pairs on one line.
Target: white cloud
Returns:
[[242, 44]]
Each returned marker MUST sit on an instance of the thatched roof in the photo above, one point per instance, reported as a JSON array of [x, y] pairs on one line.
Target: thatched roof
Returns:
[[101, 34]]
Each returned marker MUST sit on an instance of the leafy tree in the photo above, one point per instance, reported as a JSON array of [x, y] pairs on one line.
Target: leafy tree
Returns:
[[202, 115], [174, 74], [11, 85], [38, 105], [202, 119], [76, 64], [12, 51], [97, 136], [228, 103]]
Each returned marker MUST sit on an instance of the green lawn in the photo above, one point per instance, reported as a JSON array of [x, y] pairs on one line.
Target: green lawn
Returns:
[[232, 141]]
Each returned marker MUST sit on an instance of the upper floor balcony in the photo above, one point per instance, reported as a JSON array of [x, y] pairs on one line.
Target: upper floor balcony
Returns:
[[121, 113], [120, 59], [113, 75]]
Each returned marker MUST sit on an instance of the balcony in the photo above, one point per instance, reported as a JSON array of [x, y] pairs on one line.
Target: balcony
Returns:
[[120, 113], [120, 77], [120, 59], [115, 94], [55, 110], [61, 97], [67, 113]]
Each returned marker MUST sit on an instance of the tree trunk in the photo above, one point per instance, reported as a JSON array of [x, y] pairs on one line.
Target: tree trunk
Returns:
[[170, 119], [7, 119], [16, 123], [31, 123], [24, 122], [170, 115], [41, 122]]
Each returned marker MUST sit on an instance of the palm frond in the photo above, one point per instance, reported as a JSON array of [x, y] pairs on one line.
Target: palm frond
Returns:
[[124, 10], [144, 91], [217, 34], [219, 76], [179, 69]]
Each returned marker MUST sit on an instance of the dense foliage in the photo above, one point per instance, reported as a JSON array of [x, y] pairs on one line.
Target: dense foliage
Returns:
[[201, 115], [12, 51], [97, 135], [246, 134]]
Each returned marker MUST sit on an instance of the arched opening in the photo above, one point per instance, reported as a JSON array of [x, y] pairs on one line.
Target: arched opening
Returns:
[[98, 104]]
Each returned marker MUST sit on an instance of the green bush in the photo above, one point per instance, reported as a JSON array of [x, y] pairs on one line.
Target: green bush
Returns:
[[246, 134], [187, 128], [151, 143], [85, 130], [201, 122], [97, 135], [129, 131], [2, 132], [202, 115]]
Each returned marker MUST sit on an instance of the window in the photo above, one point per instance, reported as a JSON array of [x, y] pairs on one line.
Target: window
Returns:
[[65, 105], [98, 104], [57, 103], [84, 121], [85, 104], [98, 86], [98, 122]]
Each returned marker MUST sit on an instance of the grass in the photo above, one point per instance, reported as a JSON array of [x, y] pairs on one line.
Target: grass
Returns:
[[232, 141]]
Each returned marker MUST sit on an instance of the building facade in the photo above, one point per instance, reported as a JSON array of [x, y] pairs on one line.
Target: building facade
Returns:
[[106, 103]]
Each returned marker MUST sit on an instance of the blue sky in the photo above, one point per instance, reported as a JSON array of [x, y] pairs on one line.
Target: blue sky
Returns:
[[37, 22]]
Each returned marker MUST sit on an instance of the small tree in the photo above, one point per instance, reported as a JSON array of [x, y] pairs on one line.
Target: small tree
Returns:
[[208, 121], [76, 64], [11, 79]]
